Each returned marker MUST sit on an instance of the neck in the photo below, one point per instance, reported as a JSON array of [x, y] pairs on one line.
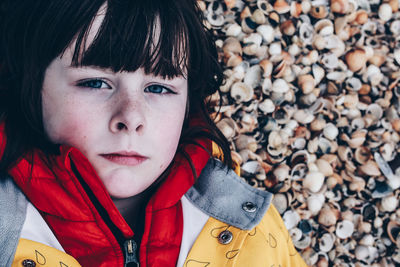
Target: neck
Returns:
[[132, 209]]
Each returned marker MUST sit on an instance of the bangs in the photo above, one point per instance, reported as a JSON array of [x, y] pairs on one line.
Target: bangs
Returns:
[[152, 35]]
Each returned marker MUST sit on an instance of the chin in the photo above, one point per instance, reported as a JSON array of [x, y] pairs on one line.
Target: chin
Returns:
[[120, 188], [115, 193]]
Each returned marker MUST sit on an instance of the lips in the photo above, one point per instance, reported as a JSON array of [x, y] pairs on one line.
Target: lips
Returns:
[[125, 158]]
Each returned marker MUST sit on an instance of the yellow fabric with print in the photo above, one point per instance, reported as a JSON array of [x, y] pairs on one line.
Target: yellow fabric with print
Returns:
[[267, 245], [42, 255]]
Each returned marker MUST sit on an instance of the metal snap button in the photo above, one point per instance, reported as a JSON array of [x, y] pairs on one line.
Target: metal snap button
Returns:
[[28, 263], [249, 207], [225, 237]]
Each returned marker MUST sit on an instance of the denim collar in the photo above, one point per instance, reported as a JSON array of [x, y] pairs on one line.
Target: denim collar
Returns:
[[222, 194], [13, 205]]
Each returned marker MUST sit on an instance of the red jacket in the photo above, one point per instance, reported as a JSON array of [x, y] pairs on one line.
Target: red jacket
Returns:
[[75, 204]]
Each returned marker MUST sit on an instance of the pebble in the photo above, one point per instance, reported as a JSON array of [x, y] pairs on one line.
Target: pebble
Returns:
[[311, 100]]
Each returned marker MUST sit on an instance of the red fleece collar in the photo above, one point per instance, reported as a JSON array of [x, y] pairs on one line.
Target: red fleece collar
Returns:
[[60, 198]]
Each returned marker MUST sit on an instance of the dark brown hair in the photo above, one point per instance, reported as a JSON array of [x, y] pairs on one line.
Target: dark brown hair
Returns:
[[34, 32]]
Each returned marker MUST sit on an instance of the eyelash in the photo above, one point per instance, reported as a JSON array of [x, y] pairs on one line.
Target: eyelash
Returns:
[[88, 84], [100, 83], [163, 88]]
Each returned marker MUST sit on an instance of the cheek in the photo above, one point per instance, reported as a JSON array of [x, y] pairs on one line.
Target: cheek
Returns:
[[60, 130], [66, 125], [169, 134]]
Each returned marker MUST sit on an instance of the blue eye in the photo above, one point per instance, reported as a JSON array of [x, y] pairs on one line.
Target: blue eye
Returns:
[[158, 89], [94, 84]]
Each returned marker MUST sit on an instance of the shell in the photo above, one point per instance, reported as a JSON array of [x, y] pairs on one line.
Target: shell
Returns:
[[344, 229], [253, 76], [216, 20], [357, 138], [248, 24], [267, 32], [310, 58], [258, 16], [287, 28], [299, 143], [375, 110], [330, 131], [282, 115], [282, 172], [303, 243], [248, 123], [306, 83], [325, 146], [393, 229], [373, 74], [370, 168], [263, 5], [314, 181], [280, 202], [291, 218], [232, 46], [228, 127], [353, 84], [324, 167], [318, 73], [318, 124], [303, 116], [326, 242], [394, 4], [281, 6], [246, 142], [275, 139], [366, 253], [361, 17], [389, 203], [280, 86], [306, 32], [267, 106], [241, 92], [295, 9], [298, 171], [362, 155], [305, 226], [315, 203], [275, 49], [385, 12], [319, 12], [345, 153], [328, 216], [340, 6], [356, 59], [253, 168], [393, 180], [233, 61]]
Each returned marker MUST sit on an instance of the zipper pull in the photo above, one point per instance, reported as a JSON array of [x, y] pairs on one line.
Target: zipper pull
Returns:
[[130, 248]]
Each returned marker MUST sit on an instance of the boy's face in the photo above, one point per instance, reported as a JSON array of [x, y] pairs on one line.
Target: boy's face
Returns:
[[127, 124]]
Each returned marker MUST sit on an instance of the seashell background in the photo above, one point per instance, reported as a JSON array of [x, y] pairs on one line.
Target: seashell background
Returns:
[[311, 108]]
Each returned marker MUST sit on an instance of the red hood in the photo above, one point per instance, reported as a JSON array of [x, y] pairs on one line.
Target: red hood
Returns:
[[64, 204]]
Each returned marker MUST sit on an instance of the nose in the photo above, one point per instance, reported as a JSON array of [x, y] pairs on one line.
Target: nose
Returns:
[[128, 116]]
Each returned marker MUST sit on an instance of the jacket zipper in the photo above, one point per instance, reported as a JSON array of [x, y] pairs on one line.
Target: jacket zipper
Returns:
[[129, 247]]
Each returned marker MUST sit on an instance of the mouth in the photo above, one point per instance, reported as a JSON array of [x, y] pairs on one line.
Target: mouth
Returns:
[[125, 158]]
